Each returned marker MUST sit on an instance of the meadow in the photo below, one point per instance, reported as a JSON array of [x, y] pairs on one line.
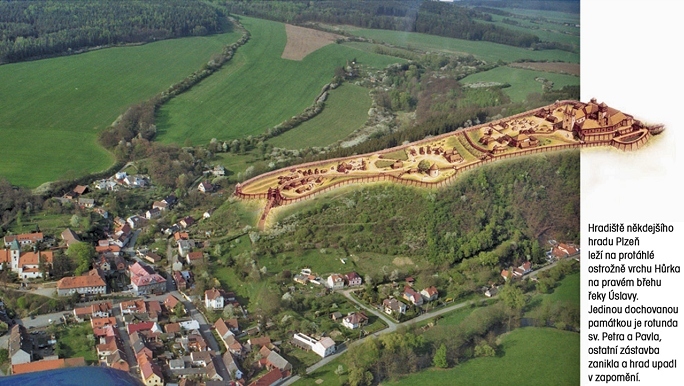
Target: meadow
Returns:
[[53, 109], [490, 52], [346, 110], [529, 356], [257, 89], [521, 80]]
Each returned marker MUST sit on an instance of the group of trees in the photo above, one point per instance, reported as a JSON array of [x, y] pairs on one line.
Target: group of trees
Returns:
[[413, 16], [509, 206], [38, 28]]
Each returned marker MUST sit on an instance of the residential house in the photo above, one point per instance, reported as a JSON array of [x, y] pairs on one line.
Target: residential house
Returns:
[[160, 205], [272, 360], [142, 326], [151, 374], [194, 342], [47, 364], [101, 322], [232, 366], [91, 283], [200, 358], [213, 299], [172, 329], [205, 187], [190, 325], [335, 281], [184, 247], [136, 221], [178, 278], [272, 378], [99, 310], [223, 330], [412, 296], [171, 302], [429, 294], [24, 238], [562, 250], [194, 257], [86, 202], [70, 237], [218, 171], [153, 213], [353, 279], [176, 364], [20, 345], [145, 281], [81, 189], [355, 320], [323, 347], [152, 257], [393, 306], [186, 222]]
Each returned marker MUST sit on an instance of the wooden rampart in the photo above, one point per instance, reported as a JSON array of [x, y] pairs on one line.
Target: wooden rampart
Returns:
[[417, 143], [423, 184]]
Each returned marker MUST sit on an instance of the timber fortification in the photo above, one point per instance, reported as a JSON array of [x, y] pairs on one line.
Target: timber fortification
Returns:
[[437, 161]]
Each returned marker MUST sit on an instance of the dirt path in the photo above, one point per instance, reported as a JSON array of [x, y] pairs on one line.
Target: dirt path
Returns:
[[303, 41]]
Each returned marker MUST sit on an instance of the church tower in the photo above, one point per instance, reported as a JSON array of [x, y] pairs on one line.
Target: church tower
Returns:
[[15, 252]]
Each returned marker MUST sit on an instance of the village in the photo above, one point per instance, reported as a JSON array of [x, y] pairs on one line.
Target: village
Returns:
[[144, 319], [134, 293]]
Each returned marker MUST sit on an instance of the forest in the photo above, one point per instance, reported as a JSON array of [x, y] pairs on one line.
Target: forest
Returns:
[[36, 29], [493, 214], [430, 17]]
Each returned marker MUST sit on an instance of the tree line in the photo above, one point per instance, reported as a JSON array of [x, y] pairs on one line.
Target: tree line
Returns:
[[39, 28], [430, 17]]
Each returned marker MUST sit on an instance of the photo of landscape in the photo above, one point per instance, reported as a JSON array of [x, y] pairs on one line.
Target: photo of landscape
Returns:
[[348, 192]]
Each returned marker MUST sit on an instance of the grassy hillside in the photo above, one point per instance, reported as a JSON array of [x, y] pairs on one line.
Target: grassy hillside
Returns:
[[52, 109], [345, 111], [484, 50], [531, 356], [257, 89], [521, 80]]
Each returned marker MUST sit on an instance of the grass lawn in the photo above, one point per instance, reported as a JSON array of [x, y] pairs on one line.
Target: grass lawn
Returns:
[[319, 263], [345, 111], [530, 356], [490, 52], [53, 109], [521, 80], [257, 89], [567, 291], [74, 342]]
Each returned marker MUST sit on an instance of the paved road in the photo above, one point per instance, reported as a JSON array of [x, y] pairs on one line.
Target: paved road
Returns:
[[392, 327]]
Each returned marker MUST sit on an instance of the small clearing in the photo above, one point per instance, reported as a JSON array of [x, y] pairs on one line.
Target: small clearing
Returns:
[[557, 67], [401, 261], [303, 41]]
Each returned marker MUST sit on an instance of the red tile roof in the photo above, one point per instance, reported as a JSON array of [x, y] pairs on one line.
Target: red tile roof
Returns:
[[50, 364]]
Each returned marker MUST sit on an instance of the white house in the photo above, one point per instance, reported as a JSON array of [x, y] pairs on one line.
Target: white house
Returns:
[[430, 293], [355, 320], [213, 299], [335, 281], [323, 347]]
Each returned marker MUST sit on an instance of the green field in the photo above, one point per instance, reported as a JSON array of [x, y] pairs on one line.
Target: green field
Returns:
[[257, 89], [487, 51], [52, 109], [521, 80], [345, 111], [545, 31], [531, 356]]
